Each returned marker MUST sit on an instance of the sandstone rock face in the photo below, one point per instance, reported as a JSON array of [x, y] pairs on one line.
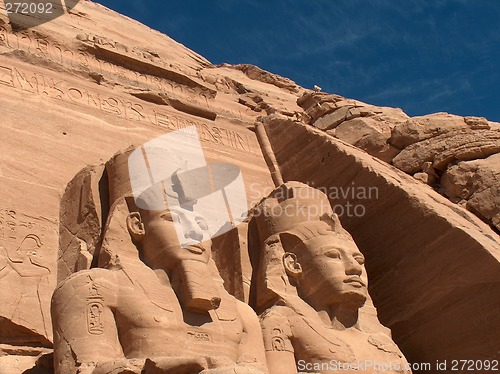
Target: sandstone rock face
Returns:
[[476, 184], [453, 147], [421, 128], [423, 146], [445, 149], [256, 73], [76, 90], [366, 126]]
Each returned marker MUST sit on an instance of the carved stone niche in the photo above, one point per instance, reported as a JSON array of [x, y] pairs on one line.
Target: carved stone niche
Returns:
[[136, 300], [310, 289]]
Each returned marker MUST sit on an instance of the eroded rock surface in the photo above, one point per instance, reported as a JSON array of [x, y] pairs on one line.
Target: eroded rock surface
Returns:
[[421, 128], [453, 153], [423, 146], [442, 150], [476, 184], [368, 127]]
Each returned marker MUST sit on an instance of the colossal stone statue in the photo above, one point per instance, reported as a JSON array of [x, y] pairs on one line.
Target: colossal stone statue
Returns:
[[311, 288], [153, 305]]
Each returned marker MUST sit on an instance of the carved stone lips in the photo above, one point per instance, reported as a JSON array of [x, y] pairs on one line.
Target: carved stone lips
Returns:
[[355, 281], [196, 248]]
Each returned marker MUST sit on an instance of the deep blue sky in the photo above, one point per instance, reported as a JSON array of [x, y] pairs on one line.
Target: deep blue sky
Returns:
[[423, 56]]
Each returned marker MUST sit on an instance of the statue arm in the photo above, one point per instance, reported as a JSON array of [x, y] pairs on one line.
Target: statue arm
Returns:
[[251, 354], [4, 269], [277, 334], [85, 331], [251, 349]]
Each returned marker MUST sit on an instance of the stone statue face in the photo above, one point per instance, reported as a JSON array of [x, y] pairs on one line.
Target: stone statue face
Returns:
[[160, 236], [333, 270]]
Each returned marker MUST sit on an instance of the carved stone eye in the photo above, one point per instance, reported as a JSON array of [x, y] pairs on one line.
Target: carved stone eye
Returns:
[[360, 260], [202, 223], [333, 254]]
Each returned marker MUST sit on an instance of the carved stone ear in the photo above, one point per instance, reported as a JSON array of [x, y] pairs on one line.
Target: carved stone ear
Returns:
[[135, 226], [292, 266]]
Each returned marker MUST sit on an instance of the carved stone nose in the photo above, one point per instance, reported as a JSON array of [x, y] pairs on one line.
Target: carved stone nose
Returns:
[[353, 267], [195, 235]]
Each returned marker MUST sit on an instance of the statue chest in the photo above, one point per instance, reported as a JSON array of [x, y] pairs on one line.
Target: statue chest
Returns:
[[160, 327], [348, 351]]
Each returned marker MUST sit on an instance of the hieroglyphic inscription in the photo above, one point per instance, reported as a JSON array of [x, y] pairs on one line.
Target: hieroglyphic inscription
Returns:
[[68, 58], [25, 259], [208, 133], [277, 341], [94, 311], [14, 226], [102, 44], [22, 245], [55, 88], [9, 223], [13, 221], [199, 336], [27, 243]]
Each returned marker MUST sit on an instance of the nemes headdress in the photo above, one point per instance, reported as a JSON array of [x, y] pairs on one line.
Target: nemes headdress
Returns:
[[293, 205], [293, 209]]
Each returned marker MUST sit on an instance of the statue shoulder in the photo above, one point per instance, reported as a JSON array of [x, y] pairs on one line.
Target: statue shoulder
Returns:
[[276, 317], [245, 310], [87, 284], [276, 329], [277, 312]]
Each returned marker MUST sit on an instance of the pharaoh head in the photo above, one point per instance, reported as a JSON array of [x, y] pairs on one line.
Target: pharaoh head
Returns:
[[305, 244], [324, 264], [166, 227]]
